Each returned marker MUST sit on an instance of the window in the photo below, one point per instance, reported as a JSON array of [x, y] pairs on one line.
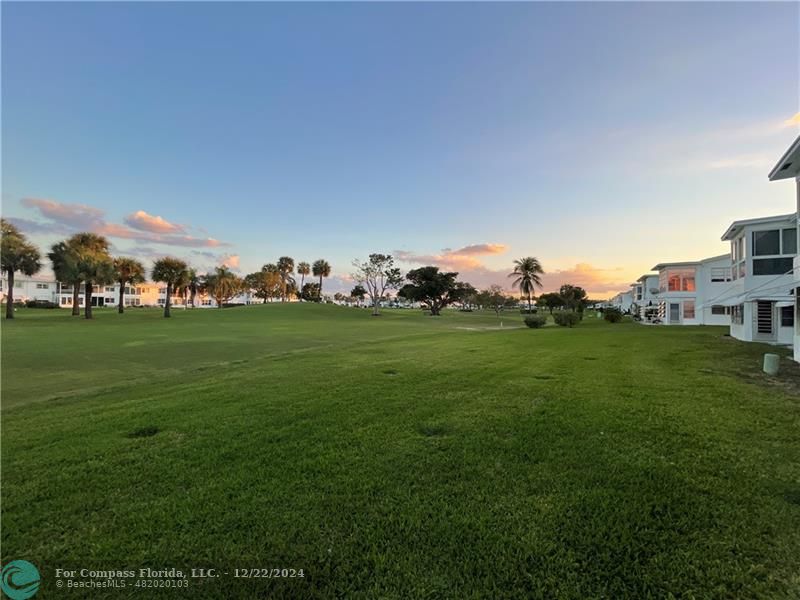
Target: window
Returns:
[[790, 241], [42, 286], [677, 280], [110, 289], [688, 309], [767, 243], [720, 275], [719, 310], [787, 316], [737, 314], [772, 266], [66, 300]]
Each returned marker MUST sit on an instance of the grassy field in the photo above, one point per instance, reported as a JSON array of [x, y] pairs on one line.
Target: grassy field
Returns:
[[399, 457]]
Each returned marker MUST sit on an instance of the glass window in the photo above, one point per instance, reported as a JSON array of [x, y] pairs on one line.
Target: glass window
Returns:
[[772, 266], [688, 284], [720, 274], [737, 314], [718, 310], [787, 316], [688, 309], [789, 241], [766, 243]]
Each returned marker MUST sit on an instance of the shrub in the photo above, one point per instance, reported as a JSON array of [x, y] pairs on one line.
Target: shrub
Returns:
[[566, 319], [528, 311], [40, 304], [612, 315], [535, 321]]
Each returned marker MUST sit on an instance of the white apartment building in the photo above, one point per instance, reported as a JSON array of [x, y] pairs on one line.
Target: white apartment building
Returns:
[[788, 167], [622, 301], [30, 287], [143, 294], [763, 254], [690, 292], [644, 295]]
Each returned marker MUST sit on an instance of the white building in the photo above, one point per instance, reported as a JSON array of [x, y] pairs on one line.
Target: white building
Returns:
[[142, 294], [689, 293], [622, 301], [788, 167], [645, 296], [30, 287], [763, 252]]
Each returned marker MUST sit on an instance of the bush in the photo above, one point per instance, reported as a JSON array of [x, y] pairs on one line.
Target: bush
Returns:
[[528, 311], [566, 318], [535, 321], [612, 315], [40, 304]]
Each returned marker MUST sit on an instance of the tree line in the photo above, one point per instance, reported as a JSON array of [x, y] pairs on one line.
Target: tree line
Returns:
[[84, 259]]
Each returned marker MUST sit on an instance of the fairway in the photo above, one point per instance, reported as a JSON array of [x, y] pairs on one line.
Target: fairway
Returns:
[[402, 456]]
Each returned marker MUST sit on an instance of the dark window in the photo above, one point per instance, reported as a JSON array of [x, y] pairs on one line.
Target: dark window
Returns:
[[718, 310], [772, 266], [766, 243], [789, 241], [787, 316]]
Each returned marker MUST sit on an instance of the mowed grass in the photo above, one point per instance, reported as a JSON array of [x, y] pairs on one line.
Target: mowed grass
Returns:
[[400, 457]]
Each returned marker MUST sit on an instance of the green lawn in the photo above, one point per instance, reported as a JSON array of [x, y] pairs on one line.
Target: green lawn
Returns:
[[400, 457]]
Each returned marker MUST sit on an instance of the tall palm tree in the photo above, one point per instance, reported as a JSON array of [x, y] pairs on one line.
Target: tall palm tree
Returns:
[[285, 268], [127, 271], [195, 284], [65, 267], [171, 271], [303, 269], [527, 276], [16, 254], [95, 264], [321, 269]]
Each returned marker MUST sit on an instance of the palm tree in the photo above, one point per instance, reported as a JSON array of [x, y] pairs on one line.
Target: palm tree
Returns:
[[16, 254], [223, 285], [527, 273], [171, 271], [321, 269], [65, 267], [303, 269], [94, 264], [127, 271], [285, 268], [195, 285]]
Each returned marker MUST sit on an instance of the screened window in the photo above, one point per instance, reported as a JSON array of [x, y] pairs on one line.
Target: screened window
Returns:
[[720, 274], [42, 286], [787, 316], [790, 241], [737, 314], [772, 266], [767, 243], [688, 309], [719, 310]]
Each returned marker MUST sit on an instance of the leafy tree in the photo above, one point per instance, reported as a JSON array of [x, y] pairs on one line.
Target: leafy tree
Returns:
[[527, 276], [321, 269], [310, 292], [303, 269], [127, 271], [574, 297], [171, 271], [65, 267], [434, 288], [95, 264], [16, 254], [496, 298], [285, 268], [265, 283], [550, 301], [223, 285], [378, 274], [358, 292], [339, 296]]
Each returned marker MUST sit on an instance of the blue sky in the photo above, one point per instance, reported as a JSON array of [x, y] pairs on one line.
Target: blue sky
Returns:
[[600, 137]]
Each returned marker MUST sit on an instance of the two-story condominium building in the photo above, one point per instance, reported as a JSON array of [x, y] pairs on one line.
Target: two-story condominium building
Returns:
[[141, 294], [788, 167], [688, 291], [644, 294], [30, 287], [622, 301], [763, 252]]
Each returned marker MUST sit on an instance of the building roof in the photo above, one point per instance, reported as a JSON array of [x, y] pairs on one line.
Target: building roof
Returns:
[[644, 277], [789, 164], [736, 227], [689, 263]]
